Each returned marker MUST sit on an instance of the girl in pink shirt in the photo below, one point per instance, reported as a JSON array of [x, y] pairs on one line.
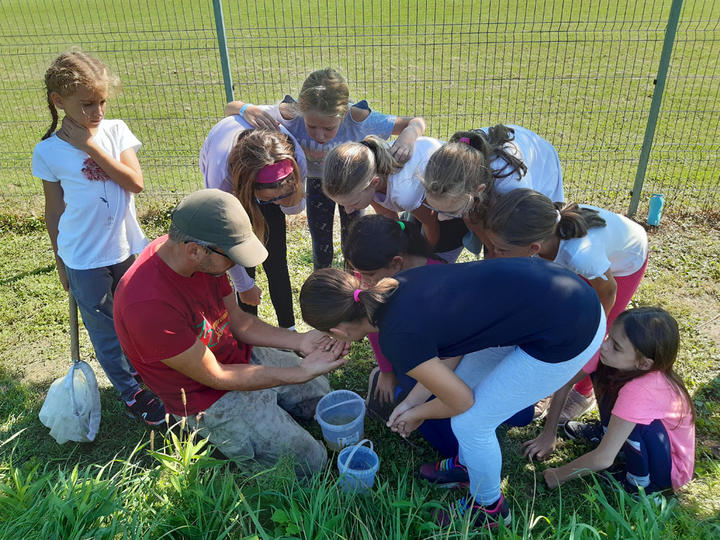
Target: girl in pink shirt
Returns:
[[644, 406]]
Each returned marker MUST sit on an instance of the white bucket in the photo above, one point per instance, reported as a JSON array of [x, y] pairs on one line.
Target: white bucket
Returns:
[[341, 415]]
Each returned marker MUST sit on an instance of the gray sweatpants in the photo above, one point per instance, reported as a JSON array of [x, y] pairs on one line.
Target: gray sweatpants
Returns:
[[258, 425]]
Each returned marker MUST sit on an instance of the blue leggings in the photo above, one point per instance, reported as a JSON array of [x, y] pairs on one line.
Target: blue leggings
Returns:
[[438, 432], [320, 216], [648, 462]]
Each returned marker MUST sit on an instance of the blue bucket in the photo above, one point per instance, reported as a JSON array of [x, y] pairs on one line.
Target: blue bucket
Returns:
[[358, 465], [341, 415]]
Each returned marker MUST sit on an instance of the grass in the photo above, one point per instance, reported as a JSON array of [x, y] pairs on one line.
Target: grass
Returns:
[[124, 485], [580, 73]]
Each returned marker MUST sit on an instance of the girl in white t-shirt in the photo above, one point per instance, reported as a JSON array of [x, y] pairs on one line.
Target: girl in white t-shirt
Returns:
[[475, 166], [90, 174], [645, 408], [360, 174], [606, 249]]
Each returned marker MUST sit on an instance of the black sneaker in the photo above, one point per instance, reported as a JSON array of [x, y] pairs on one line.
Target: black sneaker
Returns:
[[147, 407], [591, 432], [489, 517], [447, 473]]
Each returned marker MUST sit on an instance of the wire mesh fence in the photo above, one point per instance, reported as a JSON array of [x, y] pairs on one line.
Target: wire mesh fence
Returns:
[[579, 72]]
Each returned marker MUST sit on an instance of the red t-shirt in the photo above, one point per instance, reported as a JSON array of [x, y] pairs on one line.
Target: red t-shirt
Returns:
[[160, 314]]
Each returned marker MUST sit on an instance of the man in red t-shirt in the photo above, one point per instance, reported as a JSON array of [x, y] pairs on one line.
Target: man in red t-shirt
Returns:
[[182, 329]]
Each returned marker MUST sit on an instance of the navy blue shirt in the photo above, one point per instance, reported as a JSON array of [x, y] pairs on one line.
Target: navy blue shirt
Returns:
[[454, 309]]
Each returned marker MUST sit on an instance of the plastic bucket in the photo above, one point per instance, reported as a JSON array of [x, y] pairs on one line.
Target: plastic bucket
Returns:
[[358, 466], [341, 415]]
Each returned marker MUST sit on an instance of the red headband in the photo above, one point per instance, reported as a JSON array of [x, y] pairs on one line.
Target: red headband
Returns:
[[275, 172]]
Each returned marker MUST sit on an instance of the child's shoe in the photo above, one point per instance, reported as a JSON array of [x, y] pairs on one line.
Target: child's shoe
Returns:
[[576, 405], [489, 517], [591, 432], [147, 407], [446, 473]]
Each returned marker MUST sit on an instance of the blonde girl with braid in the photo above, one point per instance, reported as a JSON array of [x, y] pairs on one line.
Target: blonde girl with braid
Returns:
[[90, 175]]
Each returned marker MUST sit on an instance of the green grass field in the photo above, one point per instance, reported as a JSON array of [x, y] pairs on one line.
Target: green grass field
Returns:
[[580, 73], [111, 489]]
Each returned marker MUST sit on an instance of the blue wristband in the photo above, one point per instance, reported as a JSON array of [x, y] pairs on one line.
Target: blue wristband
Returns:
[[242, 109]]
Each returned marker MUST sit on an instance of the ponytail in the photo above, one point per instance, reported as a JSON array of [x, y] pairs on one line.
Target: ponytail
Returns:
[[330, 296], [351, 166], [523, 216], [374, 240]]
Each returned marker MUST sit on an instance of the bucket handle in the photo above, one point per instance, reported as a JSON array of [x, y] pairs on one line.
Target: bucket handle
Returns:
[[337, 405], [355, 448]]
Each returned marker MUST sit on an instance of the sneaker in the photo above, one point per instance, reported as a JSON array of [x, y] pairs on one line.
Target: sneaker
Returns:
[[489, 517], [380, 410], [591, 432], [446, 473], [575, 406], [147, 407], [541, 408]]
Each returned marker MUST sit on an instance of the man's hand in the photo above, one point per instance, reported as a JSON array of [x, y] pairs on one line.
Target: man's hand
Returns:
[[252, 296], [320, 362]]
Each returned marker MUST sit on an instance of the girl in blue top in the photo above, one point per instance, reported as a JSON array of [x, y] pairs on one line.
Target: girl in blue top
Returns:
[[322, 119], [552, 319]]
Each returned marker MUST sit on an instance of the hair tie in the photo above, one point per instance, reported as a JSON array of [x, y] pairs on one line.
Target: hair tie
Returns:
[[402, 225], [558, 217], [465, 140], [356, 295]]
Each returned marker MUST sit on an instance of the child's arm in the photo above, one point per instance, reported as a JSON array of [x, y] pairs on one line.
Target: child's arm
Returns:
[[126, 173], [54, 208], [408, 130], [430, 224], [380, 209], [606, 290], [255, 115], [544, 444], [596, 460]]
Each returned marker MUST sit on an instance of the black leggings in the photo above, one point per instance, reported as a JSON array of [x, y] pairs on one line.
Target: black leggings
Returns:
[[275, 266], [320, 216]]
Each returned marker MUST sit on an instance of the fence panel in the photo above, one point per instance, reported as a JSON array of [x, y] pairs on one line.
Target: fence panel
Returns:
[[579, 72]]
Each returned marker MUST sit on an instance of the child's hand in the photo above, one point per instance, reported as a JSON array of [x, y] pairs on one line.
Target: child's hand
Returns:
[[258, 118], [252, 296], [405, 423], [385, 387], [550, 477], [402, 149], [540, 447], [77, 135]]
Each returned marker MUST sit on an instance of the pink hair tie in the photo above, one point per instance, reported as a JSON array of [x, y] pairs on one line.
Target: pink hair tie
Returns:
[[356, 295], [275, 172], [464, 140]]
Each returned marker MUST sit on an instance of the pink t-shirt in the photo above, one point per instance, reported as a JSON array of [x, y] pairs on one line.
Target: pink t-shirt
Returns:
[[374, 339], [652, 397]]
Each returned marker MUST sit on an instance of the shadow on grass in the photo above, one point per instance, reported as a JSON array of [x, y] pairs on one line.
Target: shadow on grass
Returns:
[[38, 271]]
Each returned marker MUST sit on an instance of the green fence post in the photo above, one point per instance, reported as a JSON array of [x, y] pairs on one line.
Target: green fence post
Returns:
[[655, 104], [222, 48]]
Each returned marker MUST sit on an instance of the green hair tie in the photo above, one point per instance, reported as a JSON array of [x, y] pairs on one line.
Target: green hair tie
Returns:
[[402, 225]]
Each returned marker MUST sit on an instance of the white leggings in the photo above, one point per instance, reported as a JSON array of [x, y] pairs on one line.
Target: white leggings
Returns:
[[501, 388]]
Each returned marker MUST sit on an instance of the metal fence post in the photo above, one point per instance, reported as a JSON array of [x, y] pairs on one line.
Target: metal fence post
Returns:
[[670, 31], [222, 48]]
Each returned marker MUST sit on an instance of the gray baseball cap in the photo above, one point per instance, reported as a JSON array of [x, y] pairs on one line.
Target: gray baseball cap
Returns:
[[218, 218]]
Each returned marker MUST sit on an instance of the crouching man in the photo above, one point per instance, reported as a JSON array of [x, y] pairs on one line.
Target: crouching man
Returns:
[[182, 329]]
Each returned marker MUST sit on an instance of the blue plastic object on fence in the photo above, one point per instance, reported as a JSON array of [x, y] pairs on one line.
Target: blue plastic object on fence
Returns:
[[657, 201], [358, 465]]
